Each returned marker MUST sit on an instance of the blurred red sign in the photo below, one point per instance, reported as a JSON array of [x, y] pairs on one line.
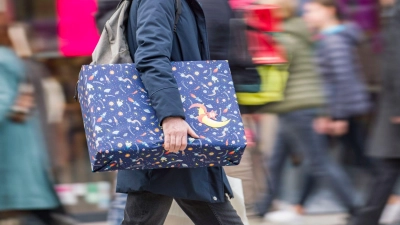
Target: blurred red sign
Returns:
[[77, 31], [262, 23]]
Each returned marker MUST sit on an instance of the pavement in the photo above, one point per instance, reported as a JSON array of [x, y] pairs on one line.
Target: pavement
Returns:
[[332, 219]]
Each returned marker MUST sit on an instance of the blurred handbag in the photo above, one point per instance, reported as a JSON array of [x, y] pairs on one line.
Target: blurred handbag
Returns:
[[177, 216]]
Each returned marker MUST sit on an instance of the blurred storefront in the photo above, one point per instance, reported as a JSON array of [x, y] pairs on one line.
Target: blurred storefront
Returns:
[[62, 35]]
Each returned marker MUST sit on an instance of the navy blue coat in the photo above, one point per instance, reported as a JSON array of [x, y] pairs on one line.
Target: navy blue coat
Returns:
[[342, 74], [154, 45]]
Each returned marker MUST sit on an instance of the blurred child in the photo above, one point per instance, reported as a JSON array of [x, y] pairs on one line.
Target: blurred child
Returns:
[[303, 103], [339, 65]]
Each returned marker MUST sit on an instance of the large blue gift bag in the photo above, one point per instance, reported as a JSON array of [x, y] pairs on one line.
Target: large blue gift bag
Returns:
[[123, 132]]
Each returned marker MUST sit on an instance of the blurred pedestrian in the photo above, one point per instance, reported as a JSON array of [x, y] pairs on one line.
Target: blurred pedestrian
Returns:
[[304, 102], [385, 143], [26, 184], [347, 94], [218, 14]]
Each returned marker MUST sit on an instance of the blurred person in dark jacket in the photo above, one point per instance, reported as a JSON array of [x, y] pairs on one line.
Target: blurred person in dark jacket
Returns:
[[304, 102], [348, 98], [346, 92], [218, 14], [385, 142]]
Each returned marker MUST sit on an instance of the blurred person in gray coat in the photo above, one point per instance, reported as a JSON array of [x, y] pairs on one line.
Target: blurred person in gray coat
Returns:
[[385, 142]]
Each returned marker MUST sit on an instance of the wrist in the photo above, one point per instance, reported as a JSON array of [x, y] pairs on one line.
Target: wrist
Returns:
[[171, 118]]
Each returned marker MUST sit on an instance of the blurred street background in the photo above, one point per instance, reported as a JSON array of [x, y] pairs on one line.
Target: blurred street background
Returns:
[[327, 147]]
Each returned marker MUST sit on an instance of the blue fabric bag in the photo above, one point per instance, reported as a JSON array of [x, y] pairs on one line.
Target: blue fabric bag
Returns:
[[123, 132]]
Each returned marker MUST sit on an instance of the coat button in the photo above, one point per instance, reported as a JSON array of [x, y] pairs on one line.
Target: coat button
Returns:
[[215, 198]]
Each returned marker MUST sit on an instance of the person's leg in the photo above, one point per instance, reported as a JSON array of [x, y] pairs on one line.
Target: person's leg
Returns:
[[354, 141], [275, 167], [322, 166], [117, 208], [145, 208], [381, 189], [308, 187], [316, 156], [54, 216], [245, 170], [202, 213]]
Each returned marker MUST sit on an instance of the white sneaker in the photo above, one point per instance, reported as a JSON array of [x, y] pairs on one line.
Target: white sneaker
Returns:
[[284, 217]]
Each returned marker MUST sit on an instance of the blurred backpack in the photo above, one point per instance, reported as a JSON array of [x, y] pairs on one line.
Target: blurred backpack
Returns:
[[259, 69]]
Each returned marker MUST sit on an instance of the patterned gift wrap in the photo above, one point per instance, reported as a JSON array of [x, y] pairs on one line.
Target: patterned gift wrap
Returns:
[[123, 132]]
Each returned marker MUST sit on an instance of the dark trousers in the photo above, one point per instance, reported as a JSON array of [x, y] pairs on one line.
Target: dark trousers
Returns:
[[353, 144], [145, 208], [382, 187], [296, 132]]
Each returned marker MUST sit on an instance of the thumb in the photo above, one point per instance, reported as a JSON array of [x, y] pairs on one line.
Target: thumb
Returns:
[[192, 133]]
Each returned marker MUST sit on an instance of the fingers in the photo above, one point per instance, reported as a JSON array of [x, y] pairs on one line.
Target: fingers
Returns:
[[183, 143], [192, 133], [317, 127], [176, 133], [167, 142], [173, 145]]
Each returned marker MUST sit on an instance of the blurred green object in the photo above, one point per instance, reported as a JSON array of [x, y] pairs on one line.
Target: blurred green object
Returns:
[[304, 88], [271, 88]]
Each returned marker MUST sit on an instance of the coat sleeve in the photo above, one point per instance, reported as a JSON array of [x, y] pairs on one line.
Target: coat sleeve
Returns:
[[340, 58], [154, 36]]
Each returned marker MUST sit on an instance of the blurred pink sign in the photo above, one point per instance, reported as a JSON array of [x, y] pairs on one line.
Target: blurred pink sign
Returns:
[[77, 31]]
